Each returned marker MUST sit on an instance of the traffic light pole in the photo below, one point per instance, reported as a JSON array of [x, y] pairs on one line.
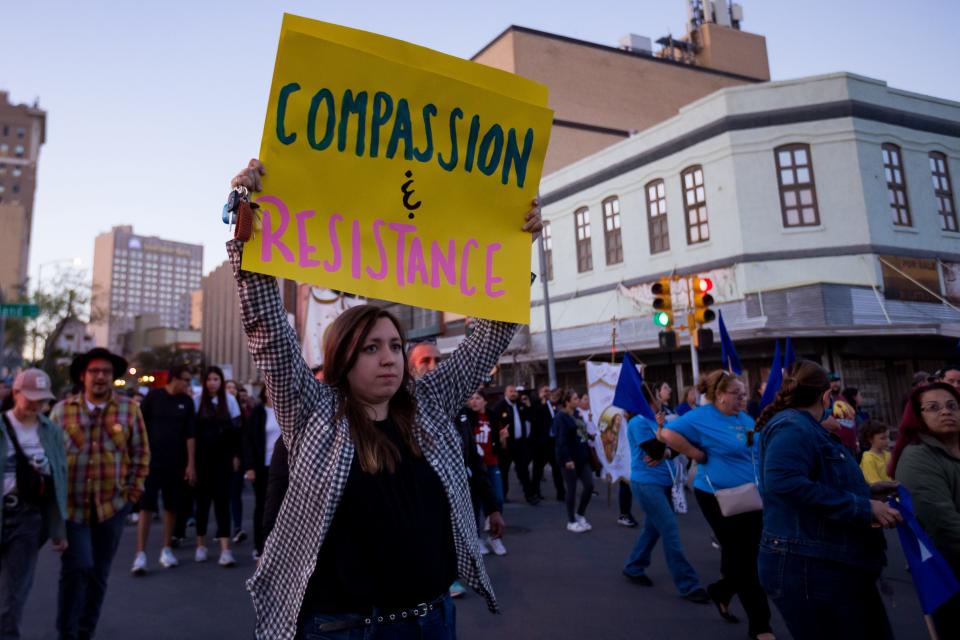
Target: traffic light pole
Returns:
[[551, 361], [694, 362]]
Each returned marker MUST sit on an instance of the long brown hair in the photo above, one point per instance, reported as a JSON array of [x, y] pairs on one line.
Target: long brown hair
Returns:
[[341, 347], [804, 383], [207, 409], [715, 383]]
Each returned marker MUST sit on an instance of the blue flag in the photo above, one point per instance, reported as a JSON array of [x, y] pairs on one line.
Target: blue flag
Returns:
[[728, 355], [788, 356], [629, 393], [932, 576], [775, 379]]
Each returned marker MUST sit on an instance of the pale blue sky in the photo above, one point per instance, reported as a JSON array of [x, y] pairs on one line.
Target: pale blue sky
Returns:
[[153, 106]]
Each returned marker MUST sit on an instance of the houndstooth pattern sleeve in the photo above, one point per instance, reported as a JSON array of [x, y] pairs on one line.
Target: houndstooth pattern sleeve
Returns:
[[273, 344], [464, 371]]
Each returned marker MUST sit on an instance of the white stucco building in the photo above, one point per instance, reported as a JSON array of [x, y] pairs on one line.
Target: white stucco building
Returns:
[[822, 207]]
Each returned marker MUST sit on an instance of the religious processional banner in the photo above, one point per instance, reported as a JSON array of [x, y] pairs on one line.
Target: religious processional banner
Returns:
[[399, 173], [611, 443]]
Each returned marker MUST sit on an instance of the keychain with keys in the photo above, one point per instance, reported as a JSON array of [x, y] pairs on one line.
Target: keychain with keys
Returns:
[[239, 211]]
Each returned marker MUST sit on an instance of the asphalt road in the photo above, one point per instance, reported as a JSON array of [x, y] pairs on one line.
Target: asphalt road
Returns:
[[552, 585]]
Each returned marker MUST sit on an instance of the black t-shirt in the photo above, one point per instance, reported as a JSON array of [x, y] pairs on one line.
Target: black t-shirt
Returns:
[[170, 422], [390, 544]]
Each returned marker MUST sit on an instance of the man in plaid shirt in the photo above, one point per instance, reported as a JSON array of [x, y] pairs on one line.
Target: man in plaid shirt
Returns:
[[108, 459]]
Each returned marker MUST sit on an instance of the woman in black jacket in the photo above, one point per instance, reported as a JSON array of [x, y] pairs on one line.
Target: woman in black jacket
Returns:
[[261, 438], [573, 452]]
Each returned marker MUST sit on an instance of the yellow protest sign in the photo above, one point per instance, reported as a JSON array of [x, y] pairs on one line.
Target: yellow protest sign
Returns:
[[399, 173]]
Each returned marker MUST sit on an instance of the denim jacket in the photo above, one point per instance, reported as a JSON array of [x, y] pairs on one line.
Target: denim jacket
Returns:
[[815, 501]]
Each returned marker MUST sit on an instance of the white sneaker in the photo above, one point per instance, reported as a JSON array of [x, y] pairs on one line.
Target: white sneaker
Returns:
[[576, 527], [484, 549], [226, 558], [139, 564], [167, 559], [133, 518], [583, 521], [200, 555], [496, 545]]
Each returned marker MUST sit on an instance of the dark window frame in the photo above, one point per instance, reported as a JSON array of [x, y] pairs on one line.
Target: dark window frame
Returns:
[[896, 187], [612, 237], [698, 204], [796, 188], [581, 220], [658, 230], [943, 191]]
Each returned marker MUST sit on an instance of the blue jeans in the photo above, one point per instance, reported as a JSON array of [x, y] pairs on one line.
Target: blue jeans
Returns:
[[823, 599], [493, 471], [18, 558], [84, 570], [659, 522], [439, 624]]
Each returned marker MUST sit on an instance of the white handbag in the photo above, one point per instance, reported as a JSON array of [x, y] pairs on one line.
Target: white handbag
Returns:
[[677, 495], [743, 498]]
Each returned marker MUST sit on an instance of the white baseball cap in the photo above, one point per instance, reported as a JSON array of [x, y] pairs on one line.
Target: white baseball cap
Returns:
[[34, 384]]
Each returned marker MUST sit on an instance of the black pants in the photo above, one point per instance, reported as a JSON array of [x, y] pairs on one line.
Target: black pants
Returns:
[[518, 454], [947, 618], [546, 453], [739, 538], [214, 479], [625, 498], [186, 510], [260, 500], [585, 475]]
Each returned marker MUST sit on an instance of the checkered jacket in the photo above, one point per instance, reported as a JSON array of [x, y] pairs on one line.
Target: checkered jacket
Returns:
[[107, 459], [321, 451]]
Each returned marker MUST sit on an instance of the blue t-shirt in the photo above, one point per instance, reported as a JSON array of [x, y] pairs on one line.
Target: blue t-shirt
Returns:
[[641, 429], [723, 438]]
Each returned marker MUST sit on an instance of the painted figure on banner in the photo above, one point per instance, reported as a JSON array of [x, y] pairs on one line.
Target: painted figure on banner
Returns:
[[317, 309], [613, 447]]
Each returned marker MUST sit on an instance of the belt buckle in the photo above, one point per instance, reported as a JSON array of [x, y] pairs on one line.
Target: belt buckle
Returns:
[[421, 610]]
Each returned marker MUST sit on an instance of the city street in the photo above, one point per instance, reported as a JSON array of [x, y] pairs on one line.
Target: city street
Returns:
[[552, 584]]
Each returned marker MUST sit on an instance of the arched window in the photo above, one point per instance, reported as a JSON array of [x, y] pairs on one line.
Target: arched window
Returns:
[[612, 240], [657, 216], [798, 193], [695, 205], [896, 185], [943, 191], [581, 220]]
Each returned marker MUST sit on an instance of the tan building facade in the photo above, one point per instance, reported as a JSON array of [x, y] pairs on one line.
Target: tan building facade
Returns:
[[135, 275], [222, 339], [601, 94], [22, 132]]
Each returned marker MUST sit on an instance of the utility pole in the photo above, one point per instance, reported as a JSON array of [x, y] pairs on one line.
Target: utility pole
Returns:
[[551, 362]]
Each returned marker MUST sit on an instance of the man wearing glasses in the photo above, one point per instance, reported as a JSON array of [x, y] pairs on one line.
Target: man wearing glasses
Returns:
[[108, 458], [168, 413]]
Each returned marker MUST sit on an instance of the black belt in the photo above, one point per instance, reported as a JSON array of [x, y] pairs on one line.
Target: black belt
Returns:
[[403, 615]]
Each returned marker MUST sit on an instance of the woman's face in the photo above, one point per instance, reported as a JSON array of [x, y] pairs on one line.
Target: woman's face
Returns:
[[232, 388], [477, 403], [213, 383], [378, 371], [572, 403], [732, 399], [940, 412], [691, 397], [665, 392]]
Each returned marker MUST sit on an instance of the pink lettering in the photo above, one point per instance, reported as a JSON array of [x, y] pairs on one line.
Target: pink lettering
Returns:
[[305, 247], [417, 264], [402, 231], [355, 255], [491, 280], [446, 262], [272, 238], [382, 273], [464, 259], [334, 243]]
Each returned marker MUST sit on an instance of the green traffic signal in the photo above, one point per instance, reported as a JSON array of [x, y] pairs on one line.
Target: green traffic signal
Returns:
[[661, 319]]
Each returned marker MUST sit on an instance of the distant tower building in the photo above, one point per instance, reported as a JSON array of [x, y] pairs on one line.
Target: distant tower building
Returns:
[[134, 275], [22, 131]]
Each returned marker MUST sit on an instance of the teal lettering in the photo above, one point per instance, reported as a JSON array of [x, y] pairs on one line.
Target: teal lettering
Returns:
[[514, 157], [487, 162], [402, 128], [285, 92], [323, 95], [382, 109], [450, 165], [472, 143], [358, 106], [425, 155]]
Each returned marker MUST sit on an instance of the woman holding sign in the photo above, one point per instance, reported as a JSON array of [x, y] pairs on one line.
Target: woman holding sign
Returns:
[[377, 521]]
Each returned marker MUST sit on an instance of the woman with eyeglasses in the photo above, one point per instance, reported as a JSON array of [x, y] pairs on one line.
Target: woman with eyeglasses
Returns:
[[926, 460], [715, 436]]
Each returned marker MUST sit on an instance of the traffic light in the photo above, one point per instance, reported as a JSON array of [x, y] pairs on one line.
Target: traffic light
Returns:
[[662, 303], [702, 301]]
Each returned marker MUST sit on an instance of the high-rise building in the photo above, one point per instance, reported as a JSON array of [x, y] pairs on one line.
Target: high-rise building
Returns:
[[135, 275], [22, 131]]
